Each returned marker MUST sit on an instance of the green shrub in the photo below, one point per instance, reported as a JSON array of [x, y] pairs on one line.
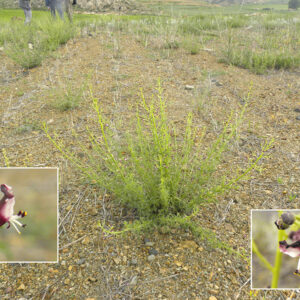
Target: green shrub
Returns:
[[161, 175]]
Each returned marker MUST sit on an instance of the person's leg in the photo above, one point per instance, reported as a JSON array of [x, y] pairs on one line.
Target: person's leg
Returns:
[[25, 5], [28, 16], [52, 4], [60, 7]]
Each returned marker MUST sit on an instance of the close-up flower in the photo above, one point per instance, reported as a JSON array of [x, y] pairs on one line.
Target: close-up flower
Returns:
[[7, 204], [285, 220], [294, 235], [292, 250]]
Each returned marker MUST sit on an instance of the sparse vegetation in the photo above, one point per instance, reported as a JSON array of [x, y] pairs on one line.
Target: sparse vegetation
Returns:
[[271, 42], [178, 153]]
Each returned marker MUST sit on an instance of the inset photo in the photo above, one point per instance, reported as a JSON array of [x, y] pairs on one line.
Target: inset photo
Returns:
[[29, 215], [275, 243]]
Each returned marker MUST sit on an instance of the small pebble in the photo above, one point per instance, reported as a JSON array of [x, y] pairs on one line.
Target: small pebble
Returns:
[[80, 261], [153, 251], [133, 262], [189, 87], [93, 211], [298, 118], [297, 110], [21, 287], [149, 244], [151, 257]]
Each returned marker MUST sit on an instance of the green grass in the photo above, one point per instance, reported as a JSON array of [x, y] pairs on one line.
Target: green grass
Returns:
[[29, 45], [271, 40], [66, 97], [274, 43]]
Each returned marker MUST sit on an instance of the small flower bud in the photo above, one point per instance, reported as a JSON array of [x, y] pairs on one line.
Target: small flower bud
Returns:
[[285, 221], [281, 225], [288, 218]]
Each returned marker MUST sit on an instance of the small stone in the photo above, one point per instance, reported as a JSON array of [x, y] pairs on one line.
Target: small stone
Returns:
[[93, 211], [80, 261], [117, 260], [189, 87], [153, 251], [178, 263], [297, 110], [189, 244], [21, 287], [151, 257], [298, 118], [51, 270], [149, 244], [30, 46], [133, 262], [67, 281], [212, 298], [1, 48]]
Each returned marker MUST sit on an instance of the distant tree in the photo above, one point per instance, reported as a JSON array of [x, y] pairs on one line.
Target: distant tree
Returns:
[[294, 4]]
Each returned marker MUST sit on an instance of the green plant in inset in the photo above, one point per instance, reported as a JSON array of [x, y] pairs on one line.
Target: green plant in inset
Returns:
[[284, 222], [163, 176]]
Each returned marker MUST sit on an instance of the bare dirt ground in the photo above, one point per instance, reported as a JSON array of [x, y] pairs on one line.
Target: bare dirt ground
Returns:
[[93, 265]]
